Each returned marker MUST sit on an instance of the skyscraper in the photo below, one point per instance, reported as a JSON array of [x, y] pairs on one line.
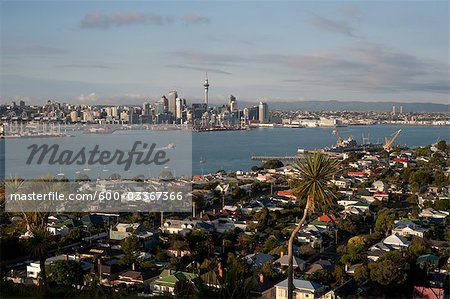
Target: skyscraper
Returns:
[[172, 102], [263, 113], [179, 108], [206, 86]]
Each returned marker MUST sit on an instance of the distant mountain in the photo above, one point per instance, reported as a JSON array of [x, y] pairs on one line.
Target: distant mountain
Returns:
[[353, 106]]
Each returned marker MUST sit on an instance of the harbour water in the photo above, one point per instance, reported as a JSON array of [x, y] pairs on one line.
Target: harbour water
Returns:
[[228, 150]]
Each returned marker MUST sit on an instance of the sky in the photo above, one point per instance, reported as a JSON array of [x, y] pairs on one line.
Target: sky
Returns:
[[117, 52]]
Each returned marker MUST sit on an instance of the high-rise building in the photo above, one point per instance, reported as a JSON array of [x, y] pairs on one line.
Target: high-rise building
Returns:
[[263, 113], [231, 99], [178, 108], [401, 109], [206, 86], [393, 110], [145, 109], [172, 101]]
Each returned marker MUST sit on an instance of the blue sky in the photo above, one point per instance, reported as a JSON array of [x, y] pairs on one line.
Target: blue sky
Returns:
[[131, 52]]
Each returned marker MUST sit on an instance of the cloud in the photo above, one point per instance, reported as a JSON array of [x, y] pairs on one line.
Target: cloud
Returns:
[[125, 18], [89, 98], [88, 66], [330, 25], [368, 67], [32, 49], [195, 19], [103, 20], [195, 68]]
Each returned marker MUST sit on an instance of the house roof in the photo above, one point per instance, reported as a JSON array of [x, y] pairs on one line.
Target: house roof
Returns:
[[171, 279], [427, 258], [301, 284], [284, 261]]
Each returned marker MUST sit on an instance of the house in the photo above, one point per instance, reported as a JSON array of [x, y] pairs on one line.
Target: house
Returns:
[[430, 213], [407, 231], [421, 292], [349, 289], [303, 289], [321, 265], [174, 226], [34, 268], [428, 261], [396, 241], [264, 288], [283, 261], [380, 186], [132, 277], [167, 280], [257, 260]]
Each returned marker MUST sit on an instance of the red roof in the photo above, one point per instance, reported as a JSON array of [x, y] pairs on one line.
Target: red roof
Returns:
[[327, 218], [197, 177], [356, 173], [427, 293], [285, 193]]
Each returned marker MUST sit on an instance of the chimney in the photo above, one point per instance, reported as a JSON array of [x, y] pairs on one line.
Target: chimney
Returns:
[[67, 257], [261, 278], [99, 262], [220, 270], [133, 266], [281, 253], [170, 271]]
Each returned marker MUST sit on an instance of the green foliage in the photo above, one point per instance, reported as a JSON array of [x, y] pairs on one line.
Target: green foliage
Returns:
[[389, 269], [130, 248], [272, 164], [66, 273], [270, 243], [385, 220], [418, 247], [362, 273], [185, 289]]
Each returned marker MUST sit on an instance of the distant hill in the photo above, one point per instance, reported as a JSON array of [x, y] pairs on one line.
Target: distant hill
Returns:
[[353, 106]]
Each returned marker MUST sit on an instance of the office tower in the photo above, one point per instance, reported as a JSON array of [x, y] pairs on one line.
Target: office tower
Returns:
[[145, 109], [164, 103], [263, 113], [178, 108], [393, 110], [253, 113], [401, 109], [206, 86], [172, 101], [231, 99]]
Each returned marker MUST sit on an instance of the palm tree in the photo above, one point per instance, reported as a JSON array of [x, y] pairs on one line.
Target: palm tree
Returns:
[[310, 182], [39, 245]]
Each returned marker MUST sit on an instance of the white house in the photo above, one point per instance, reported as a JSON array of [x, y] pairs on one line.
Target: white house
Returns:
[[396, 241], [303, 289]]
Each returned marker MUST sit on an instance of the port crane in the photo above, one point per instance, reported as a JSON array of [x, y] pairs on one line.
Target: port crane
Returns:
[[339, 138], [388, 142]]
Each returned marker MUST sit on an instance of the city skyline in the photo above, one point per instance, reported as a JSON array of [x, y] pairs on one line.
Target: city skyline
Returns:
[[136, 52]]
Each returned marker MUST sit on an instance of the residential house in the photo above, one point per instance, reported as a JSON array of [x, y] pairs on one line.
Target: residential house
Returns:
[[303, 289], [283, 261], [167, 280]]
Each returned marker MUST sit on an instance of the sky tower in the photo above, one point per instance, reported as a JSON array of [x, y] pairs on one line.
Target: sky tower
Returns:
[[206, 85]]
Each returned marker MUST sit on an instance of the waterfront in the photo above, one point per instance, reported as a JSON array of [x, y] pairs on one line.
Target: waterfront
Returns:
[[232, 150], [229, 150]]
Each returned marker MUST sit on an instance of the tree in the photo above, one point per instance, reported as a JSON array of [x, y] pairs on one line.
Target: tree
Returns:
[[272, 164], [442, 146], [311, 183], [39, 244], [362, 273], [385, 221], [271, 243], [66, 273], [185, 289], [388, 270], [130, 248]]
